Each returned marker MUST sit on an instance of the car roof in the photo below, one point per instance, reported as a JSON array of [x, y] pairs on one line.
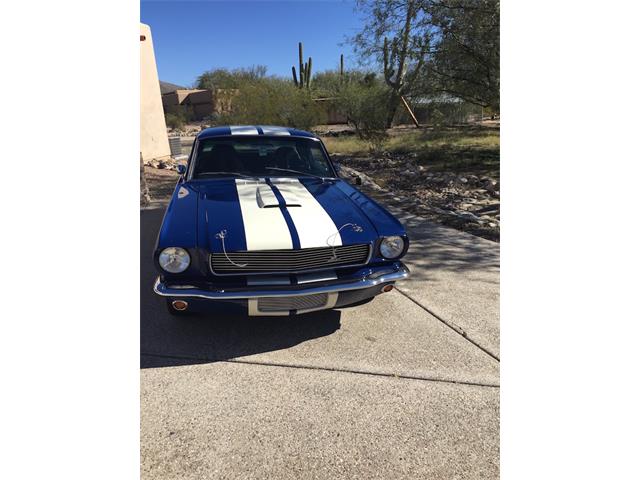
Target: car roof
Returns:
[[265, 130]]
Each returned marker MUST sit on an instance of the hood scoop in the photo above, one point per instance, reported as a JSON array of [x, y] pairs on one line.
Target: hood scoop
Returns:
[[265, 198]]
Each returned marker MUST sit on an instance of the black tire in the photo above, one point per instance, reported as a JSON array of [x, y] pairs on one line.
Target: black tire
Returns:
[[176, 313]]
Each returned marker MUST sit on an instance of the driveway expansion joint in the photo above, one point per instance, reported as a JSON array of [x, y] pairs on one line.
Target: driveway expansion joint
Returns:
[[325, 369], [449, 324]]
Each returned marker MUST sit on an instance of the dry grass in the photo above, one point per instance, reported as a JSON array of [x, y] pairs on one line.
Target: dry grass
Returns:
[[455, 149], [419, 141]]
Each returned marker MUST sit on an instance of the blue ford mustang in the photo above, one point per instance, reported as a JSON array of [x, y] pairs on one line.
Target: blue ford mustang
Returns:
[[260, 222]]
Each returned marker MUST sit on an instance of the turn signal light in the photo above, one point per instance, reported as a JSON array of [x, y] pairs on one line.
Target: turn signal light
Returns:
[[179, 305]]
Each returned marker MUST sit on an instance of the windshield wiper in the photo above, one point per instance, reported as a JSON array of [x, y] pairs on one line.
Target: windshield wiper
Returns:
[[227, 173], [307, 174]]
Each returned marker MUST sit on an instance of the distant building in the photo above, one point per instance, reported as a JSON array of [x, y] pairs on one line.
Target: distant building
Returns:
[[334, 116], [166, 87], [153, 129], [200, 103]]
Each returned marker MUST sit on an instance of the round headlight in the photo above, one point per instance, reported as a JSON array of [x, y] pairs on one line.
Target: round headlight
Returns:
[[174, 259], [392, 247]]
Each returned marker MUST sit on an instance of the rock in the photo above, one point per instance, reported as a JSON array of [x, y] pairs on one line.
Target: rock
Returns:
[[494, 207], [468, 216], [489, 185]]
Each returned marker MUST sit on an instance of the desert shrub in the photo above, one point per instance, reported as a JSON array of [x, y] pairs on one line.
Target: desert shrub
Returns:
[[273, 101], [178, 116], [225, 78], [327, 83], [174, 121], [365, 107], [330, 83], [437, 119]]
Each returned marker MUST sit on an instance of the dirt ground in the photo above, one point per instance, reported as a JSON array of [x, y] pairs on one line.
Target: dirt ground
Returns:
[[161, 183]]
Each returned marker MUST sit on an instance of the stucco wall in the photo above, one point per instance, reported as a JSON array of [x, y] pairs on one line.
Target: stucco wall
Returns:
[[153, 130], [199, 102]]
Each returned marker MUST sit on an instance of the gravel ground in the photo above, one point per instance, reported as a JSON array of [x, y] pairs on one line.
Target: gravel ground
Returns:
[[464, 201], [161, 183]]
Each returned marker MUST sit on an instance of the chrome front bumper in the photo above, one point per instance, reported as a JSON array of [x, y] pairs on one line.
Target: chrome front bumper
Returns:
[[377, 276]]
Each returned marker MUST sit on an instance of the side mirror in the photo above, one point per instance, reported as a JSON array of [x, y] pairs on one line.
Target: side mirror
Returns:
[[181, 169], [338, 168]]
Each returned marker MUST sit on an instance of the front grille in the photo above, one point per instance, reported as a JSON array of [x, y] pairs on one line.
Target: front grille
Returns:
[[284, 261], [284, 304]]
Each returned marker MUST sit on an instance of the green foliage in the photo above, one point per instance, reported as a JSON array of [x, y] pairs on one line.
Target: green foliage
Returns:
[[466, 61], [365, 107], [427, 47], [178, 117], [327, 84], [437, 119], [393, 36], [224, 78], [274, 101], [330, 82], [176, 122]]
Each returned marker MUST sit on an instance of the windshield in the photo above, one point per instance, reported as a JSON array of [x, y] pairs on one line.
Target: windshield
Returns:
[[260, 156]]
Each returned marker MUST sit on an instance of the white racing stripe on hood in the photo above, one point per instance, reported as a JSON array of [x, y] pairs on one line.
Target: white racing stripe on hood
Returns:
[[243, 130], [312, 222], [264, 228]]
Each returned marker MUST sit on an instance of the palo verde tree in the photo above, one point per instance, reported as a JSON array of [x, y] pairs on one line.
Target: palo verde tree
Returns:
[[397, 35], [430, 47], [466, 60]]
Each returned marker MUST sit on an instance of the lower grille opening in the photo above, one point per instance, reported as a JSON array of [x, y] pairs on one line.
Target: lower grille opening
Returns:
[[284, 304]]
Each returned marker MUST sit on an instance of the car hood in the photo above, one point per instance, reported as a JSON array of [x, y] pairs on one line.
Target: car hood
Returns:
[[281, 214]]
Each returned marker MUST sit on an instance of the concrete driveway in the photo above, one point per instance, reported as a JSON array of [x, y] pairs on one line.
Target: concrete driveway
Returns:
[[404, 386]]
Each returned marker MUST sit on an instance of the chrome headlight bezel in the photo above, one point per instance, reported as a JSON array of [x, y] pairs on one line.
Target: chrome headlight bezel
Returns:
[[174, 259], [392, 247]]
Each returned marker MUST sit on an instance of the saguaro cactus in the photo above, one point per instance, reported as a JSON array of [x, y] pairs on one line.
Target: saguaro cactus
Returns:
[[304, 79]]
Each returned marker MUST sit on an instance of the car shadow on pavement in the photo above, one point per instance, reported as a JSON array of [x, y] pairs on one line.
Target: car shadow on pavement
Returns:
[[166, 340]]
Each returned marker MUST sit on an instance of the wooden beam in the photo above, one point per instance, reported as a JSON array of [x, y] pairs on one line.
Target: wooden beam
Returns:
[[413, 117]]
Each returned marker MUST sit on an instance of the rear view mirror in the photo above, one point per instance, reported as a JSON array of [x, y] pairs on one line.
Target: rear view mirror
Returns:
[[181, 169]]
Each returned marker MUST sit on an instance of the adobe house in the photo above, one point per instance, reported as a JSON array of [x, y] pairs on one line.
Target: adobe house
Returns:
[[154, 143], [201, 103]]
